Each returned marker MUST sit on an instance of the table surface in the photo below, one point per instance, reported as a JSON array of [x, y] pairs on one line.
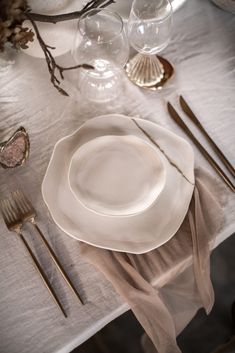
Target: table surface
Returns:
[[203, 53]]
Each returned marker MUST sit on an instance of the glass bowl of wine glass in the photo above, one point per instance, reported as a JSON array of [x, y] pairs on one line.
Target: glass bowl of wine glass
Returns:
[[101, 42]]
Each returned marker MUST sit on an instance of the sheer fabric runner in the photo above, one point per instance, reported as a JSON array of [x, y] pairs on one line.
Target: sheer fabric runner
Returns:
[[133, 276]]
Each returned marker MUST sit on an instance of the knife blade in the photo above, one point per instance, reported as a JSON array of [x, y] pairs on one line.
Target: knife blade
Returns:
[[188, 111], [175, 116]]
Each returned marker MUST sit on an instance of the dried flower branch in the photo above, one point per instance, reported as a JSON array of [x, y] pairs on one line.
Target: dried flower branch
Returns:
[[53, 67], [15, 12]]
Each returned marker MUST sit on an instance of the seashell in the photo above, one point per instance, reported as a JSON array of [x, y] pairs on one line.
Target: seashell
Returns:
[[144, 70], [15, 151]]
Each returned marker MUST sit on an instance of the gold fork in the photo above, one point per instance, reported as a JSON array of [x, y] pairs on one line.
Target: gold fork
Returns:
[[13, 222], [28, 214]]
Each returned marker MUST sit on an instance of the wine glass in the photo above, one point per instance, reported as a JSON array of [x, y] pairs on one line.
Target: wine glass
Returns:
[[100, 41], [149, 32]]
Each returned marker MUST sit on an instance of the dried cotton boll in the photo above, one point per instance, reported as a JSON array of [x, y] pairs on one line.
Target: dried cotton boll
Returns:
[[12, 18]]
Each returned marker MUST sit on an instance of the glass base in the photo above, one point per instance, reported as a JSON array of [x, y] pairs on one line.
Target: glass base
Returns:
[[145, 70], [102, 84]]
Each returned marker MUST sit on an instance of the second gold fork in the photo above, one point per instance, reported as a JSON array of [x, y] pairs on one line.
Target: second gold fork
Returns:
[[13, 222], [28, 214]]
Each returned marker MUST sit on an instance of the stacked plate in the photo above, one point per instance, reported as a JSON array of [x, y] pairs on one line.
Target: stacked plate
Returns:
[[120, 183]]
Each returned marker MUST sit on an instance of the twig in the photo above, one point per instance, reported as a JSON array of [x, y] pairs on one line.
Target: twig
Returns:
[[53, 67], [51, 63], [92, 4]]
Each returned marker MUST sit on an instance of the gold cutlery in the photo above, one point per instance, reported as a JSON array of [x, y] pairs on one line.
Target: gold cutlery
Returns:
[[188, 111], [175, 116], [13, 222], [28, 214]]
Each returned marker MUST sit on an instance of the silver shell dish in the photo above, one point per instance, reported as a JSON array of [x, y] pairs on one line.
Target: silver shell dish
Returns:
[[15, 151]]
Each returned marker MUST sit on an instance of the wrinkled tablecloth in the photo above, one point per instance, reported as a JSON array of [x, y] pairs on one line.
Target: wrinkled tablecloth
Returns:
[[202, 51], [131, 274]]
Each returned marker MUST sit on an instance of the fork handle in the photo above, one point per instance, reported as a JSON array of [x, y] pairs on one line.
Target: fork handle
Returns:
[[42, 274], [56, 261]]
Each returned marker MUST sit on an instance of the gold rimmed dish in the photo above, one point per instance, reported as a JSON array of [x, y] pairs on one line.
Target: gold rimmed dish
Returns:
[[135, 234]]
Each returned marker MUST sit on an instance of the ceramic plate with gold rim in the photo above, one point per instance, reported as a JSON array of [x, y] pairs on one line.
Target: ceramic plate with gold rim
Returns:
[[117, 175], [137, 233]]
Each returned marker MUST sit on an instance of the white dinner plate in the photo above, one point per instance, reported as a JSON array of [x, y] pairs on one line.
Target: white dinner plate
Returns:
[[117, 175], [136, 234]]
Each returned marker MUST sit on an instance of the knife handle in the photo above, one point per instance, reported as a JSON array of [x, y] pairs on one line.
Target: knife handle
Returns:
[[175, 116], [184, 105]]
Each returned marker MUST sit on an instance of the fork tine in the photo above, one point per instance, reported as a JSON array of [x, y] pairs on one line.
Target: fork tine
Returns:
[[12, 210], [17, 197], [24, 202], [4, 212], [27, 202], [19, 203], [8, 211]]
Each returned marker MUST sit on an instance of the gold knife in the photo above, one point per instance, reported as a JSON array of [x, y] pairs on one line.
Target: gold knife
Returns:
[[185, 107], [175, 116]]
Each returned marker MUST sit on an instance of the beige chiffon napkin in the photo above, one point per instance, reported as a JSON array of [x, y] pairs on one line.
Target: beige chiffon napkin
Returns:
[[131, 275]]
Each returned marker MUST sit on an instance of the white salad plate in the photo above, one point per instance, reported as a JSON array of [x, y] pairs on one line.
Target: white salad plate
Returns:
[[117, 175], [136, 233]]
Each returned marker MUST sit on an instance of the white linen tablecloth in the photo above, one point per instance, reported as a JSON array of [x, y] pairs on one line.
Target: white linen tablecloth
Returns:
[[203, 53]]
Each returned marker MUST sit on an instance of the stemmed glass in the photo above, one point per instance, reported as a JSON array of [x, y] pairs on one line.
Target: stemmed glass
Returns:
[[149, 31], [100, 41]]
